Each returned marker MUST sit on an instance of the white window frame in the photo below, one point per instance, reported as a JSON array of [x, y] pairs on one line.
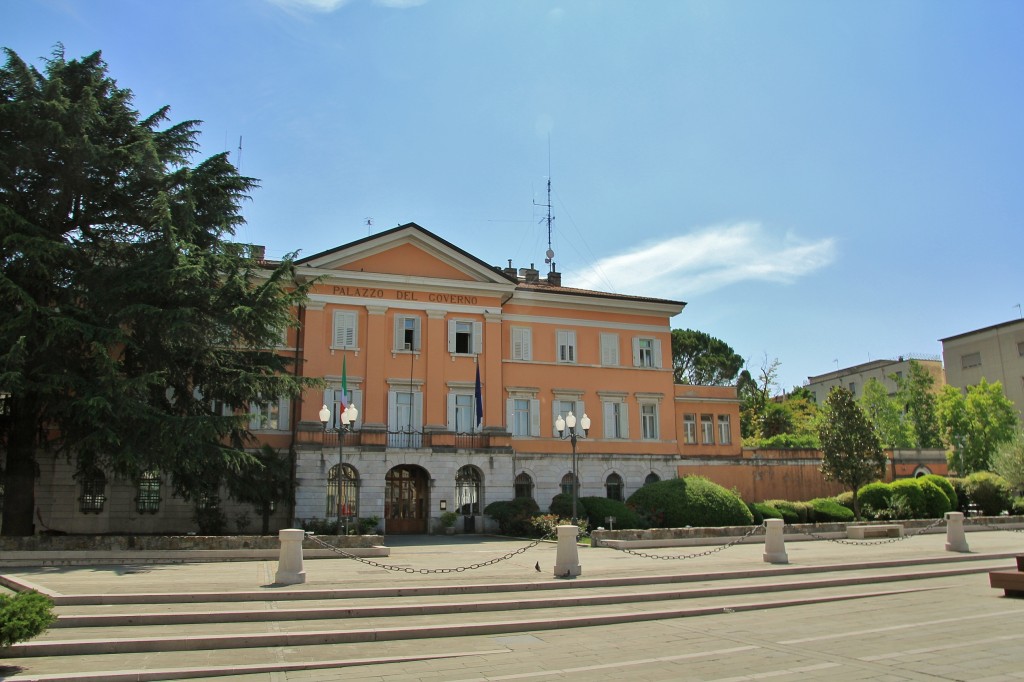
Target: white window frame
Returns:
[[476, 336], [345, 330], [570, 402], [690, 428], [650, 359], [969, 360], [614, 418], [724, 429], [650, 429], [332, 399], [400, 333], [460, 401], [707, 429], [532, 419], [258, 420], [522, 343], [609, 349], [565, 346]]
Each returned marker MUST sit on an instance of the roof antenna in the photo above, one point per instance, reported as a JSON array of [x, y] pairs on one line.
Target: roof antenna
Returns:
[[549, 256], [239, 164], [369, 227]]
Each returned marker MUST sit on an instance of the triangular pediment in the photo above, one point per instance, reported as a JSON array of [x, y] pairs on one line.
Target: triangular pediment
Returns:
[[407, 250]]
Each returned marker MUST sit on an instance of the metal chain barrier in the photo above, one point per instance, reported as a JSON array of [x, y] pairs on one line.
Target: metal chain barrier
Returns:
[[709, 552], [426, 571], [993, 526], [886, 541]]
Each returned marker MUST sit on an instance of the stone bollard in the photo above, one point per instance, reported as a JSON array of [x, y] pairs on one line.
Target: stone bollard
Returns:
[[956, 541], [289, 563], [567, 558], [774, 542]]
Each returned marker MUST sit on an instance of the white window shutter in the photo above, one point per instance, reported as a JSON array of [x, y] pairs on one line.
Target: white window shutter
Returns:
[[417, 413], [624, 420], [657, 353], [581, 410], [535, 417], [451, 411], [254, 416], [478, 337], [527, 344], [284, 423], [608, 419], [393, 412], [554, 417], [399, 332], [451, 336], [357, 400], [636, 351], [510, 407], [416, 333]]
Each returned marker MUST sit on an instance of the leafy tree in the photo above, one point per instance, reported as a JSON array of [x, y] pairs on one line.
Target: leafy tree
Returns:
[[754, 393], [851, 452], [886, 415], [974, 425], [776, 420], [264, 482], [1008, 461], [703, 360], [127, 319], [915, 395]]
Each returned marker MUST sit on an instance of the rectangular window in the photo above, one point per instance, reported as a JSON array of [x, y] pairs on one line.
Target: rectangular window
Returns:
[[345, 329], [970, 360], [561, 408], [690, 428], [269, 415], [465, 337], [646, 352], [1020, 348], [464, 412], [707, 429], [566, 346], [407, 333], [609, 350], [615, 417], [724, 429], [522, 343], [147, 500], [333, 401], [649, 421], [853, 387], [523, 416]]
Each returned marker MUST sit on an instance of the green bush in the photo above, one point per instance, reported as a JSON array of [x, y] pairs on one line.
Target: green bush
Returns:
[[513, 516], [1018, 506], [792, 512], [827, 509], [945, 486], [916, 508], [989, 491], [599, 508], [845, 499], [936, 503], [785, 441], [546, 525], [23, 616], [874, 499], [762, 511], [689, 501], [561, 505], [960, 490]]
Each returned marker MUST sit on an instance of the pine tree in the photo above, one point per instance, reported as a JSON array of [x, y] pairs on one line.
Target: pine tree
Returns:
[[128, 319]]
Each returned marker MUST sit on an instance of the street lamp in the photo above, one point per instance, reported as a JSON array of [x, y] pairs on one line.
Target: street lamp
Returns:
[[348, 420], [560, 426]]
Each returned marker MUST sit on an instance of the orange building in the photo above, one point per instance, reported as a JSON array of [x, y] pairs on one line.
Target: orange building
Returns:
[[407, 322]]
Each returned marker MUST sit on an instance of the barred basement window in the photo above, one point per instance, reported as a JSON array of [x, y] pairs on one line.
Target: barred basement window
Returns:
[[652, 478], [94, 491], [567, 486], [523, 485], [613, 486], [147, 501]]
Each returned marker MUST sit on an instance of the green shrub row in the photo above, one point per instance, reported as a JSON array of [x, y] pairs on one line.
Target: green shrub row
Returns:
[[931, 496]]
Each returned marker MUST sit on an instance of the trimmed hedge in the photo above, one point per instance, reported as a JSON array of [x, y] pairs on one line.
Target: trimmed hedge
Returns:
[[936, 503], [599, 508], [513, 516], [561, 506], [960, 489], [689, 501], [873, 498], [792, 512], [946, 487], [989, 491], [762, 511], [826, 509], [906, 499]]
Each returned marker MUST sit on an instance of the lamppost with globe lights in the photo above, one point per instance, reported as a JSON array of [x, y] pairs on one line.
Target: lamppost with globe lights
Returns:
[[570, 423], [348, 420]]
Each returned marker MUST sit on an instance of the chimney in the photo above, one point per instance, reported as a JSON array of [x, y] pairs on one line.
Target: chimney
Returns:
[[510, 271], [530, 275], [555, 278], [257, 252]]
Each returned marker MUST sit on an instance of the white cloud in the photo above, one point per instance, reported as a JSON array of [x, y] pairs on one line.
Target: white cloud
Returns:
[[325, 6], [400, 4], [706, 260]]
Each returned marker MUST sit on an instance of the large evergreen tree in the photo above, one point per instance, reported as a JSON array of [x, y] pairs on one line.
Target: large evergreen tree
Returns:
[[128, 320], [851, 452], [703, 360], [914, 392]]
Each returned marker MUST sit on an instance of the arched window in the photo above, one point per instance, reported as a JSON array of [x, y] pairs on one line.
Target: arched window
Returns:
[[652, 478], [469, 485], [94, 491], [147, 498], [348, 505], [524, 485], [613, 487], [567, 484]]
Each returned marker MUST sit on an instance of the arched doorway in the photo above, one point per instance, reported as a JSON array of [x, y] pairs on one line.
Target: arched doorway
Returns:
[[406, 498]]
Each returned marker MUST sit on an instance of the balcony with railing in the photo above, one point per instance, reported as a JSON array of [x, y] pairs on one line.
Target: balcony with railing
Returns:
[[404, 439]]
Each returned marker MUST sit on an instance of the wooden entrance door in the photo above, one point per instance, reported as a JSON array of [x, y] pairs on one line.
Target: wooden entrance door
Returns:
[[405, 501]]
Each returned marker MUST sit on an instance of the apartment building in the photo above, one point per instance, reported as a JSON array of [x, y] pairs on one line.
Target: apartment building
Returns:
[[854, 378], [993, 353]]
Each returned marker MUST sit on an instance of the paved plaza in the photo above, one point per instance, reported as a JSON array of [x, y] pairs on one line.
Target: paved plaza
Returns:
[[905, 610]]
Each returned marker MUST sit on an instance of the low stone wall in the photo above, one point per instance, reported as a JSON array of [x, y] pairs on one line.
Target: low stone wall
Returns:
[[170, 543]]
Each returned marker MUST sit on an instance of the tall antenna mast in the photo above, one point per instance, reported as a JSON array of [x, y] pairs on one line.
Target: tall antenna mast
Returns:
[[239, 164], [549, 257], [369, 226]]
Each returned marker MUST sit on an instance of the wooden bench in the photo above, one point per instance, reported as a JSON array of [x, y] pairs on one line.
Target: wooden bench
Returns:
[[1010, 582], [880, 530]]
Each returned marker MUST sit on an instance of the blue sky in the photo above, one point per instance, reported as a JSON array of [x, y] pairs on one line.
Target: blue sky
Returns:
[[822, 182]]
